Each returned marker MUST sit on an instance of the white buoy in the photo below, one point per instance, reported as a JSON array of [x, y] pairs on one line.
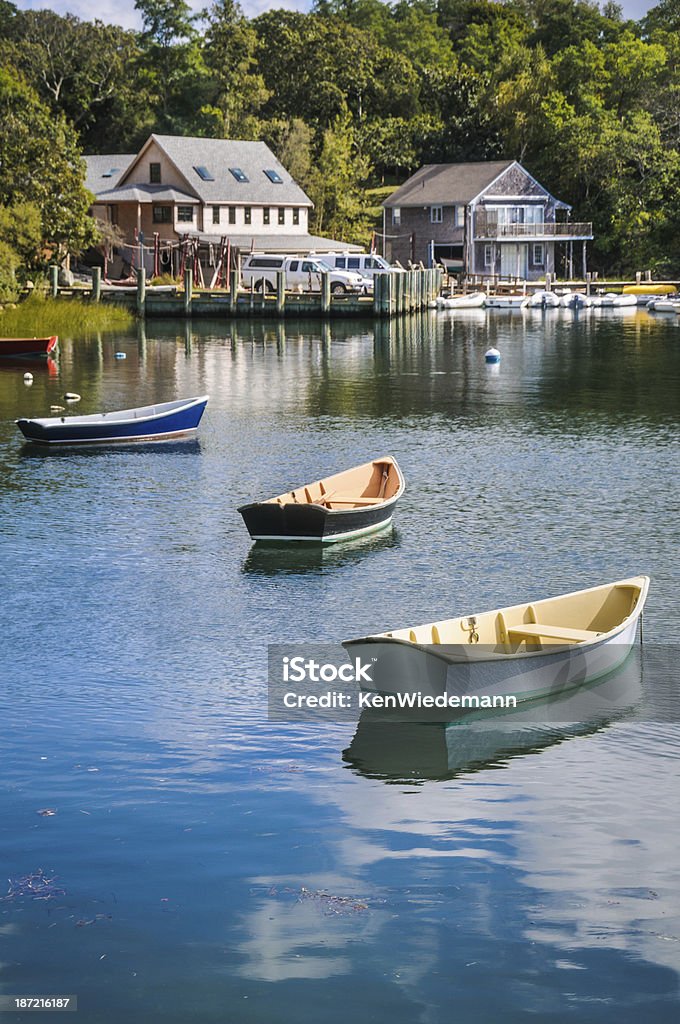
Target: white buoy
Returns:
[[71, 396], [121, 355], [56, 408], [492, 356], [28, 378]]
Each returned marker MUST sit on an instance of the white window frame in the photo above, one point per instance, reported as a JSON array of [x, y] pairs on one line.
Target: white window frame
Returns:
[[396, 216], [535, 247], [436, 214], [488, 255], [458, 216]]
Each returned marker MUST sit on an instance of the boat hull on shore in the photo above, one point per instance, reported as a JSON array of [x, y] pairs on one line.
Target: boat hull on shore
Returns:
[[166, 421], [526, 651]]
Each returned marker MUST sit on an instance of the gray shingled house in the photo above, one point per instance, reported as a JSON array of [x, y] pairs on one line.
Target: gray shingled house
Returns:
[[488, 219], [178, 187]]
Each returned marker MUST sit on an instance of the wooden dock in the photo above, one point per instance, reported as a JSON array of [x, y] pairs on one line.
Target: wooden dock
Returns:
[[395, 294]]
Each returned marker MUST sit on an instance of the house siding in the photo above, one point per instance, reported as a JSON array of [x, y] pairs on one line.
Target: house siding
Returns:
[[411, 239]]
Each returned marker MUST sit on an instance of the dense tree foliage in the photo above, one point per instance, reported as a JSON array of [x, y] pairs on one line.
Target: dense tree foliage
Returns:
[[357, 94], [42, 174]]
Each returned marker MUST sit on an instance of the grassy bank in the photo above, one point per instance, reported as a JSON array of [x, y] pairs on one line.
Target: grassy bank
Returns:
[[38, 317]]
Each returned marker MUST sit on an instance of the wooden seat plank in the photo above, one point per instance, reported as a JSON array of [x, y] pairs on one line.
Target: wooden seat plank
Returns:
[[535, 630]]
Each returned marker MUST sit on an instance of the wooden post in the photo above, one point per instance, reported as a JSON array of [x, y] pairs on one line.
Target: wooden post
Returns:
[[588, 280], [252, 297], [386, 292], [325, 292], [96, 293], [54, 280], [280, 292], [548, 282], [141, 291], [233, 292], [638, 276], [377, 290], [188, 288]]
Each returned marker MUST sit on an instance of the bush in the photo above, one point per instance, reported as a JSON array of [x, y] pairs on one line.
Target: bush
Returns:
[[9, 264]]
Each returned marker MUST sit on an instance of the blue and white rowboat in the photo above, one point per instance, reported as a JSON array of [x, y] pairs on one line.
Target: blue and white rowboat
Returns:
[[162, 422]]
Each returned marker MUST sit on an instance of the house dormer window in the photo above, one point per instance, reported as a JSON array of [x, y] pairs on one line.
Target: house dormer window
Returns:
[[436, 214], [154, 174]]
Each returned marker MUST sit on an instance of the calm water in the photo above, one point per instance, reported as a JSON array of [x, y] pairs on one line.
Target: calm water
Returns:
[[518, 879]]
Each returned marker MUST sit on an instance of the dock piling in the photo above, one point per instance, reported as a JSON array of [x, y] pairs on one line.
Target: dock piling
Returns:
[[280, 292], [141, 291], [96, 293], [188, 289], [54, 281], [325, 292]]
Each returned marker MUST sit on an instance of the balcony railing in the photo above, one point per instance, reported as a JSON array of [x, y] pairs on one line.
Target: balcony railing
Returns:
[[485, 228]]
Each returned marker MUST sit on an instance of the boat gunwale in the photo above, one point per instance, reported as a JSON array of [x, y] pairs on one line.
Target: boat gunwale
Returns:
[[66, 422], [334, 511], [436, 650]]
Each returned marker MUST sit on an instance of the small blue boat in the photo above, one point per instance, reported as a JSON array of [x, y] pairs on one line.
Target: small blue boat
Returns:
[[150, 423]]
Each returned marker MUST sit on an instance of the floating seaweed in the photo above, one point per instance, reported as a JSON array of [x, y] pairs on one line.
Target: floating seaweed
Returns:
[[334, 904], [36, 886]]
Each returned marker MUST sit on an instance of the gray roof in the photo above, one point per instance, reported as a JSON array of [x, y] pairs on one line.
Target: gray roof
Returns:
[[284, 243], [438, 184], [218, 155], [145, 194], [98, 166]]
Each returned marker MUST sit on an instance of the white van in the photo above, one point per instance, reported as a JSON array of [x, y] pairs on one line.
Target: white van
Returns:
[[364, 263], [303, 272]]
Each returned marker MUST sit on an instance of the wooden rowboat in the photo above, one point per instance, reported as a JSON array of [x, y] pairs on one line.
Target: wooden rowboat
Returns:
[[528, 650], [162, 422], [27, 347], [359, 501]]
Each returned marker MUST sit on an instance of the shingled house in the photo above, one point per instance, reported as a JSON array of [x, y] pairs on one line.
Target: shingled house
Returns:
[[205, 189], [485, 219]]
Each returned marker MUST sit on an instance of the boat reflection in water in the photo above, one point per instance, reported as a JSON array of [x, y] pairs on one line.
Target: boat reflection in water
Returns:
[[394, 749], [272, 559]]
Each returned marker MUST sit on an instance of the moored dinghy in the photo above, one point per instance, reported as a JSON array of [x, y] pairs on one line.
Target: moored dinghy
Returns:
[[23, 348], [166, 421], [349, 504], [527, 650]]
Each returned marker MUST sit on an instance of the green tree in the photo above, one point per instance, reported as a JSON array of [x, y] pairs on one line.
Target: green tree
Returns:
[[174, 71], [230, 51], [337, 183], [87, 70], [41, 164]]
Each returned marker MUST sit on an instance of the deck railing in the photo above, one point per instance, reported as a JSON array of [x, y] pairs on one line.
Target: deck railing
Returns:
[[489, 228]]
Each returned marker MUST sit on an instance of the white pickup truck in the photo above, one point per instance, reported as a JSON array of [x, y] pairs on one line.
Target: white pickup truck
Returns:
[[303, 273]]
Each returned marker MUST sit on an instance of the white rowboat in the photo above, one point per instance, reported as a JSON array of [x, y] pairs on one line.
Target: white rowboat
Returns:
[[527, 650]]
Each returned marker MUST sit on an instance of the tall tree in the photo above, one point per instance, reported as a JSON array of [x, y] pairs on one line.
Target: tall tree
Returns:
[[230, 52], [175, 72], [41, 164]]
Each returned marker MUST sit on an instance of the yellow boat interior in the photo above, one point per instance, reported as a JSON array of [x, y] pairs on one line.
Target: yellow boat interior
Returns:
[[569, 619], [374, 483]]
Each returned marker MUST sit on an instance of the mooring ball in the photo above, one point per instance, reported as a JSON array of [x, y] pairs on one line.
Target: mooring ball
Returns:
[[492, 356], [71, 396], [121, 355], [28, 378]]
